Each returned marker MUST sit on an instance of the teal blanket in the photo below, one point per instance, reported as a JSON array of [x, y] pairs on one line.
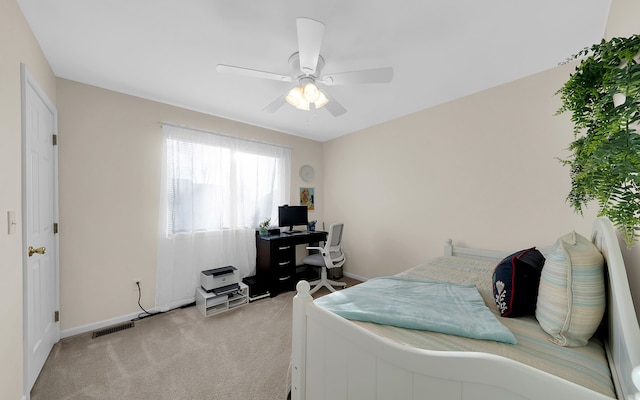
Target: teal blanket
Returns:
[[425, 305]]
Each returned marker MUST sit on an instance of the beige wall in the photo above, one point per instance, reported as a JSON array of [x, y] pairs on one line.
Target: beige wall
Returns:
[[110, 156], [17, 45], [481, 170], [623, 22]]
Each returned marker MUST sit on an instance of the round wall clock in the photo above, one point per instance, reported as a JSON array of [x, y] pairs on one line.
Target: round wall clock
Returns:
[[306, 173]]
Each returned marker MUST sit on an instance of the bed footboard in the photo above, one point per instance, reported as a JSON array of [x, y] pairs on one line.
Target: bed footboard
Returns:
[[333, 359], [299, 340]]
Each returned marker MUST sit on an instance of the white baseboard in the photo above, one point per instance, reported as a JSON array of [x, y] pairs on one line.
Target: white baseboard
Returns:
[[353, 276], [124, 318], [99, 325]]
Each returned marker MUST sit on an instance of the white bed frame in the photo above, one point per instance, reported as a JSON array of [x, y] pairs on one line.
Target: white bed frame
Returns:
[[334, 359]]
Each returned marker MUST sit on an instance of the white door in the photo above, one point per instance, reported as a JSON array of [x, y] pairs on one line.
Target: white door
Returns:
[[41, 299]]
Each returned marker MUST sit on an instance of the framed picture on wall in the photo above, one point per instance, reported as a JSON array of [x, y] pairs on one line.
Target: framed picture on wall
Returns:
[[307, 198]]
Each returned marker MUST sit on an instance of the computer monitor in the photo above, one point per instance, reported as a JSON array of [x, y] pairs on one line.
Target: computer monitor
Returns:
[[292, 216]]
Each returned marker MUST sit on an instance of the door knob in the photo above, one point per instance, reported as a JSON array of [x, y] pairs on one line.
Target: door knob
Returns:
[[39, 250]]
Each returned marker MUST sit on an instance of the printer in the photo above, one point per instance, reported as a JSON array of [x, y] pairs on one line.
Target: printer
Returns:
[[223, 280]]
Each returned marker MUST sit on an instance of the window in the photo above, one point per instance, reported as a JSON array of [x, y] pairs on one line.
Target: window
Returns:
[[216, 189], [216, 182]]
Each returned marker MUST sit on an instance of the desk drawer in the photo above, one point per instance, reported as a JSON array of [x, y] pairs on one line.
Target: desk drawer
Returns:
[[276, 259], [285, 281], [284, 265], [283, 255], [283, 250]]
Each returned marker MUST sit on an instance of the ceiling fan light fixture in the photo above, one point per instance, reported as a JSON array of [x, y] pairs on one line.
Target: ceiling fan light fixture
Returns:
[[301, 97], [322, 100], [296, 98], [303, 107], [311, 92]]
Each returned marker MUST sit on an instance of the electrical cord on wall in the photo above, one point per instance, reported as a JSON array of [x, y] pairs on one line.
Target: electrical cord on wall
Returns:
[[145, 313]]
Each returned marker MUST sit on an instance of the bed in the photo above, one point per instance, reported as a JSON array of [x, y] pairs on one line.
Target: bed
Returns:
[[335, 358]]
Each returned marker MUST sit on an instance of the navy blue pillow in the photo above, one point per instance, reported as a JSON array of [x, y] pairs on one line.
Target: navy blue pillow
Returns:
[[515, 283]]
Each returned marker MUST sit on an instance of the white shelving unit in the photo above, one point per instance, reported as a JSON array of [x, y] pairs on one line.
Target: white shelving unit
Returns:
[[211, 304]]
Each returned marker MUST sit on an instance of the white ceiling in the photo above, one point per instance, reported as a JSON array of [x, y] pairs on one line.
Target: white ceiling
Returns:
[[167, 50]]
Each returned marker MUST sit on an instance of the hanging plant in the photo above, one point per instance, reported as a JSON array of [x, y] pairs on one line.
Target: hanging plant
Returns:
[[605, 160]]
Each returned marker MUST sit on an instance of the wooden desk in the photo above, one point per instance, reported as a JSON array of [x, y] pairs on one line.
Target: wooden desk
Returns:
[[276, 259]]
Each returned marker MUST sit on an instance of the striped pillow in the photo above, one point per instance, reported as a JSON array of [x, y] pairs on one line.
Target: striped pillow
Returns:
[[571, 297]]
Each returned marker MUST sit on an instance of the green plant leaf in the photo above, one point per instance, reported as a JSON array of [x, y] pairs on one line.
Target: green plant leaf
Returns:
[[605, 161]]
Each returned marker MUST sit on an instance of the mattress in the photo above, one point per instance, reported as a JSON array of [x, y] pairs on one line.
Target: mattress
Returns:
[[586, 366]]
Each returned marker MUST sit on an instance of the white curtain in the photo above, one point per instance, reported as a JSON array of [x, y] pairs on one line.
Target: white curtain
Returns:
[[216, 189]]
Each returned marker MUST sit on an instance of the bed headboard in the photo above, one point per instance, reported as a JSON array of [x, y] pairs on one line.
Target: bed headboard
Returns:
[[623, 334], [623, 339], [492, 255]]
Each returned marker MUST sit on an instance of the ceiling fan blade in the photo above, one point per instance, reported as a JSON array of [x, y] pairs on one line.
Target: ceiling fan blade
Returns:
[[336, 109], [310, 34], [254, 73], [376, 75], [275, 105]]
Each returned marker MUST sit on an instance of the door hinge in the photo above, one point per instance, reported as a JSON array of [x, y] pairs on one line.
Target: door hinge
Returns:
[[55, 140], [56, 316], [55, 227]]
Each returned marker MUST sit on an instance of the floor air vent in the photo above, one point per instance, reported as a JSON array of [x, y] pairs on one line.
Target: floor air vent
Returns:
[[112, 329]]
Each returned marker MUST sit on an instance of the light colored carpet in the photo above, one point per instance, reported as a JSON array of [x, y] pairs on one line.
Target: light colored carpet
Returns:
[[240, 354]]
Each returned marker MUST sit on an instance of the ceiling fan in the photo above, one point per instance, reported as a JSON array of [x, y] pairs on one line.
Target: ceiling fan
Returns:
[[306, 69]]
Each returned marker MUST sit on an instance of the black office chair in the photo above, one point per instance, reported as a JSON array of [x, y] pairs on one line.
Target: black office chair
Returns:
[[330, 256]]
